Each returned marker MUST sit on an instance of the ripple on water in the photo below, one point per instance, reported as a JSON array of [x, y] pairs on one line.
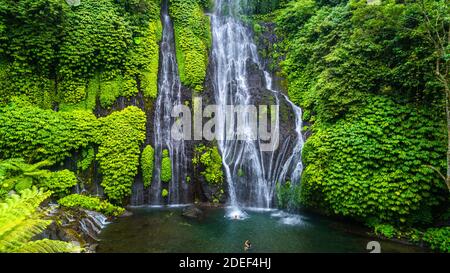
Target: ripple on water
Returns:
[[288, 218], [234, 213]]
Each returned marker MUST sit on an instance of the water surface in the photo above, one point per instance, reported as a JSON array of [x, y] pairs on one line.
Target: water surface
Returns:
[[165, 230]]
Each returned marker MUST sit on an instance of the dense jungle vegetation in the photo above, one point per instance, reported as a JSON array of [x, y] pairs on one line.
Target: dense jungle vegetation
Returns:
[[372, 78]]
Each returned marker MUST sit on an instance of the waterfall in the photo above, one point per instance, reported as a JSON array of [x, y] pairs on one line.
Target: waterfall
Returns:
[[169, 95], [234, 52]]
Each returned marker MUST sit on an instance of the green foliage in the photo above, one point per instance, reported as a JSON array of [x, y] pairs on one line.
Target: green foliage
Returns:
[[60, 183], [374, 163], [193, 39], [210, 160], [96, 37], [36, 135], [438, 239], [147, 165], [166, 167], [21, 220], [91, 203], [120, 136], [16, 174], [143, 60], [336, 55], [364, 77], [288, 195], [50, 51], [88, 157], [30, 31], [33, 88], [262, 6], [387, 231], [165, 193], [89, 102]]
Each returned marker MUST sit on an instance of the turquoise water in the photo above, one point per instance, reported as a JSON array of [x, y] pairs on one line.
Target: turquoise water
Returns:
[[152, 230]]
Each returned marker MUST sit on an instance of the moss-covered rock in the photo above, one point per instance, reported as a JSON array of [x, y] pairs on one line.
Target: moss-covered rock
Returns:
[[193, 40], [147, 165], [166, 167]]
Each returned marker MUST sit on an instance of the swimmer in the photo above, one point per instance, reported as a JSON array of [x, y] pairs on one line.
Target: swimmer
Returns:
[[247, 245]]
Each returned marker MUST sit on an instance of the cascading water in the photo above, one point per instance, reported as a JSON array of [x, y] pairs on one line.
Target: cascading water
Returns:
[[252, 173], [169, 88]]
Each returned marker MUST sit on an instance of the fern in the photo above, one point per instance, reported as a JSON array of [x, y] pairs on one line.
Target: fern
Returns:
[[17, 174], [21, 220]]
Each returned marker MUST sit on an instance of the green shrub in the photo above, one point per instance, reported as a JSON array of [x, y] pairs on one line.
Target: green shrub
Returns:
[[110, 90], [91, 203], [87, 159], [60, 183], [288, 195], [87, 103], [36, 135], [210, 160], [16, 174], [143, 59], [50, 59], [165, 193], [387, 231], [193, 40], [96, 37], [21, 221], [28, 37], [438, 239], [166, 167], [147, 165], [374, 163], [120, 136]]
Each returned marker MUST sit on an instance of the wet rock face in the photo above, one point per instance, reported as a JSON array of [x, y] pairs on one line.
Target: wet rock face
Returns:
[[262, 96], [80, 227]]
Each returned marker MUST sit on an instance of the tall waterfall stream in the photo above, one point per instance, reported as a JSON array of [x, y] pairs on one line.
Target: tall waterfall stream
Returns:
[[252, 172], [233, 52]]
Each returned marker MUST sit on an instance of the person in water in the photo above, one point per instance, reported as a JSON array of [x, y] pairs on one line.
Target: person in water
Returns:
[[247, 245]]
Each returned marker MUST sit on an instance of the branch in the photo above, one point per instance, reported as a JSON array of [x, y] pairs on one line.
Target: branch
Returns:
[[439, 172], [441, 175], [433, 31]]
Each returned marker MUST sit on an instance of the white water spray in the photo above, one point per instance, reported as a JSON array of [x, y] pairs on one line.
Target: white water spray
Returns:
[[233, 53]]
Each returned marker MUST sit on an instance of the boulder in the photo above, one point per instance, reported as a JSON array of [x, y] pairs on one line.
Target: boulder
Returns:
[[193, 213]]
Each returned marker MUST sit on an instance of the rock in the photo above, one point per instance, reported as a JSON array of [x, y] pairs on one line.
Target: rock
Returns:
[[80, 227], [193, 213], [126, 214]]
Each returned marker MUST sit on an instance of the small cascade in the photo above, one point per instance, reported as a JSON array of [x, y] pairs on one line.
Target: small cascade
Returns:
[[252, 172], [93, 223], [169, 88]]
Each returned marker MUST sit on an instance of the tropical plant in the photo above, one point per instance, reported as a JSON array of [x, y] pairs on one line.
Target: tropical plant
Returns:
[[166, 167], [210, 161], [21, 220], [436, 22], [91, 203], [60, 183], [16, 174], [147, 165]]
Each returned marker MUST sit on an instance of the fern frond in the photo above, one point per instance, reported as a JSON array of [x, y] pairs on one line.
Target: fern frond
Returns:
[[21, 220], [22, 233], [48, 246]]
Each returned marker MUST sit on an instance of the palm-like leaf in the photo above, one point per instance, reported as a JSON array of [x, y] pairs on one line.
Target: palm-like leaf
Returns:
[[48, 246], [21, 220]]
